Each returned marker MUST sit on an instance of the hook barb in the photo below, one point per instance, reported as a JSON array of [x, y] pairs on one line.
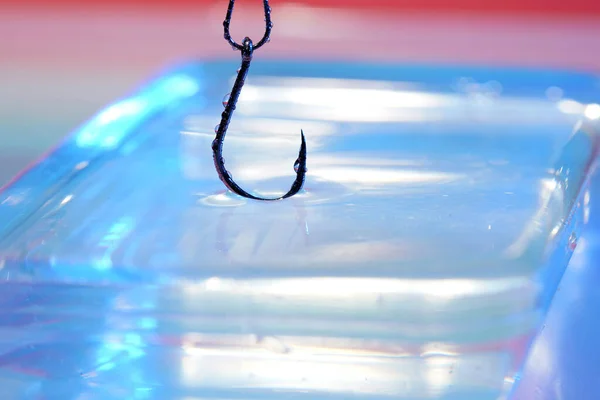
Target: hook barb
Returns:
[[227, 179]]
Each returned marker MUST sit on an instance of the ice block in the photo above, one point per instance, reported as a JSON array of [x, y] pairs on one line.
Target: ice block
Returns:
[[441, 206]]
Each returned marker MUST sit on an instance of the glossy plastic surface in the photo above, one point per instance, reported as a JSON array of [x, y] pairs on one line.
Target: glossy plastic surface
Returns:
[[440, 210]]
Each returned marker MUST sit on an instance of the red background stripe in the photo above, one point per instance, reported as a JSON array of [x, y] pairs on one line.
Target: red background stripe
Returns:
[[582, 7]]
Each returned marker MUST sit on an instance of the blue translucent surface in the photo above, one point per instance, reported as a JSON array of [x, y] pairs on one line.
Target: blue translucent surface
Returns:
[[440, 210]]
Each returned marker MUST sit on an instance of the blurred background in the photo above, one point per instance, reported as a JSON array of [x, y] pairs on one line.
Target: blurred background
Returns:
[[62, 60]]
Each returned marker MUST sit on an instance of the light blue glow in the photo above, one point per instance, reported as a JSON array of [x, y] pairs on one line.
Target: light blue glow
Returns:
[[147, 323], [110, 126]]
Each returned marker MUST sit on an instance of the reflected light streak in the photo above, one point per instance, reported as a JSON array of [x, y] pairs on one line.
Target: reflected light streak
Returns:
[[438, 349], [353, 159], [348, 287], [298, 81], [346, 97], [221, 343], [586, 207], [364, 177], [66, 199], [355, 113], [342, 104], [378, 176], [352, 101], [555, 231]]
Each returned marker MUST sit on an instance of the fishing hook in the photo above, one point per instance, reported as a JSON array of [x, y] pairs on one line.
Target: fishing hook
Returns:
[[247, 49]]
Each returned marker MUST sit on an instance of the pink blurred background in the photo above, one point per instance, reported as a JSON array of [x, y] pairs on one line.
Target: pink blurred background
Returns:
[[61, 61]]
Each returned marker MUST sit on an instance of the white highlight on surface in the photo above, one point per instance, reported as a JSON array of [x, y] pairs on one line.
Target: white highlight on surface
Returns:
[[343, 100], [592, 111], [570, 106], [66, 199], [349, 287]]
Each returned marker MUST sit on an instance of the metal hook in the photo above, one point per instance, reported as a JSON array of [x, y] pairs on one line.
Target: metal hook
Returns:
[[266, 36], [247, 49]]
